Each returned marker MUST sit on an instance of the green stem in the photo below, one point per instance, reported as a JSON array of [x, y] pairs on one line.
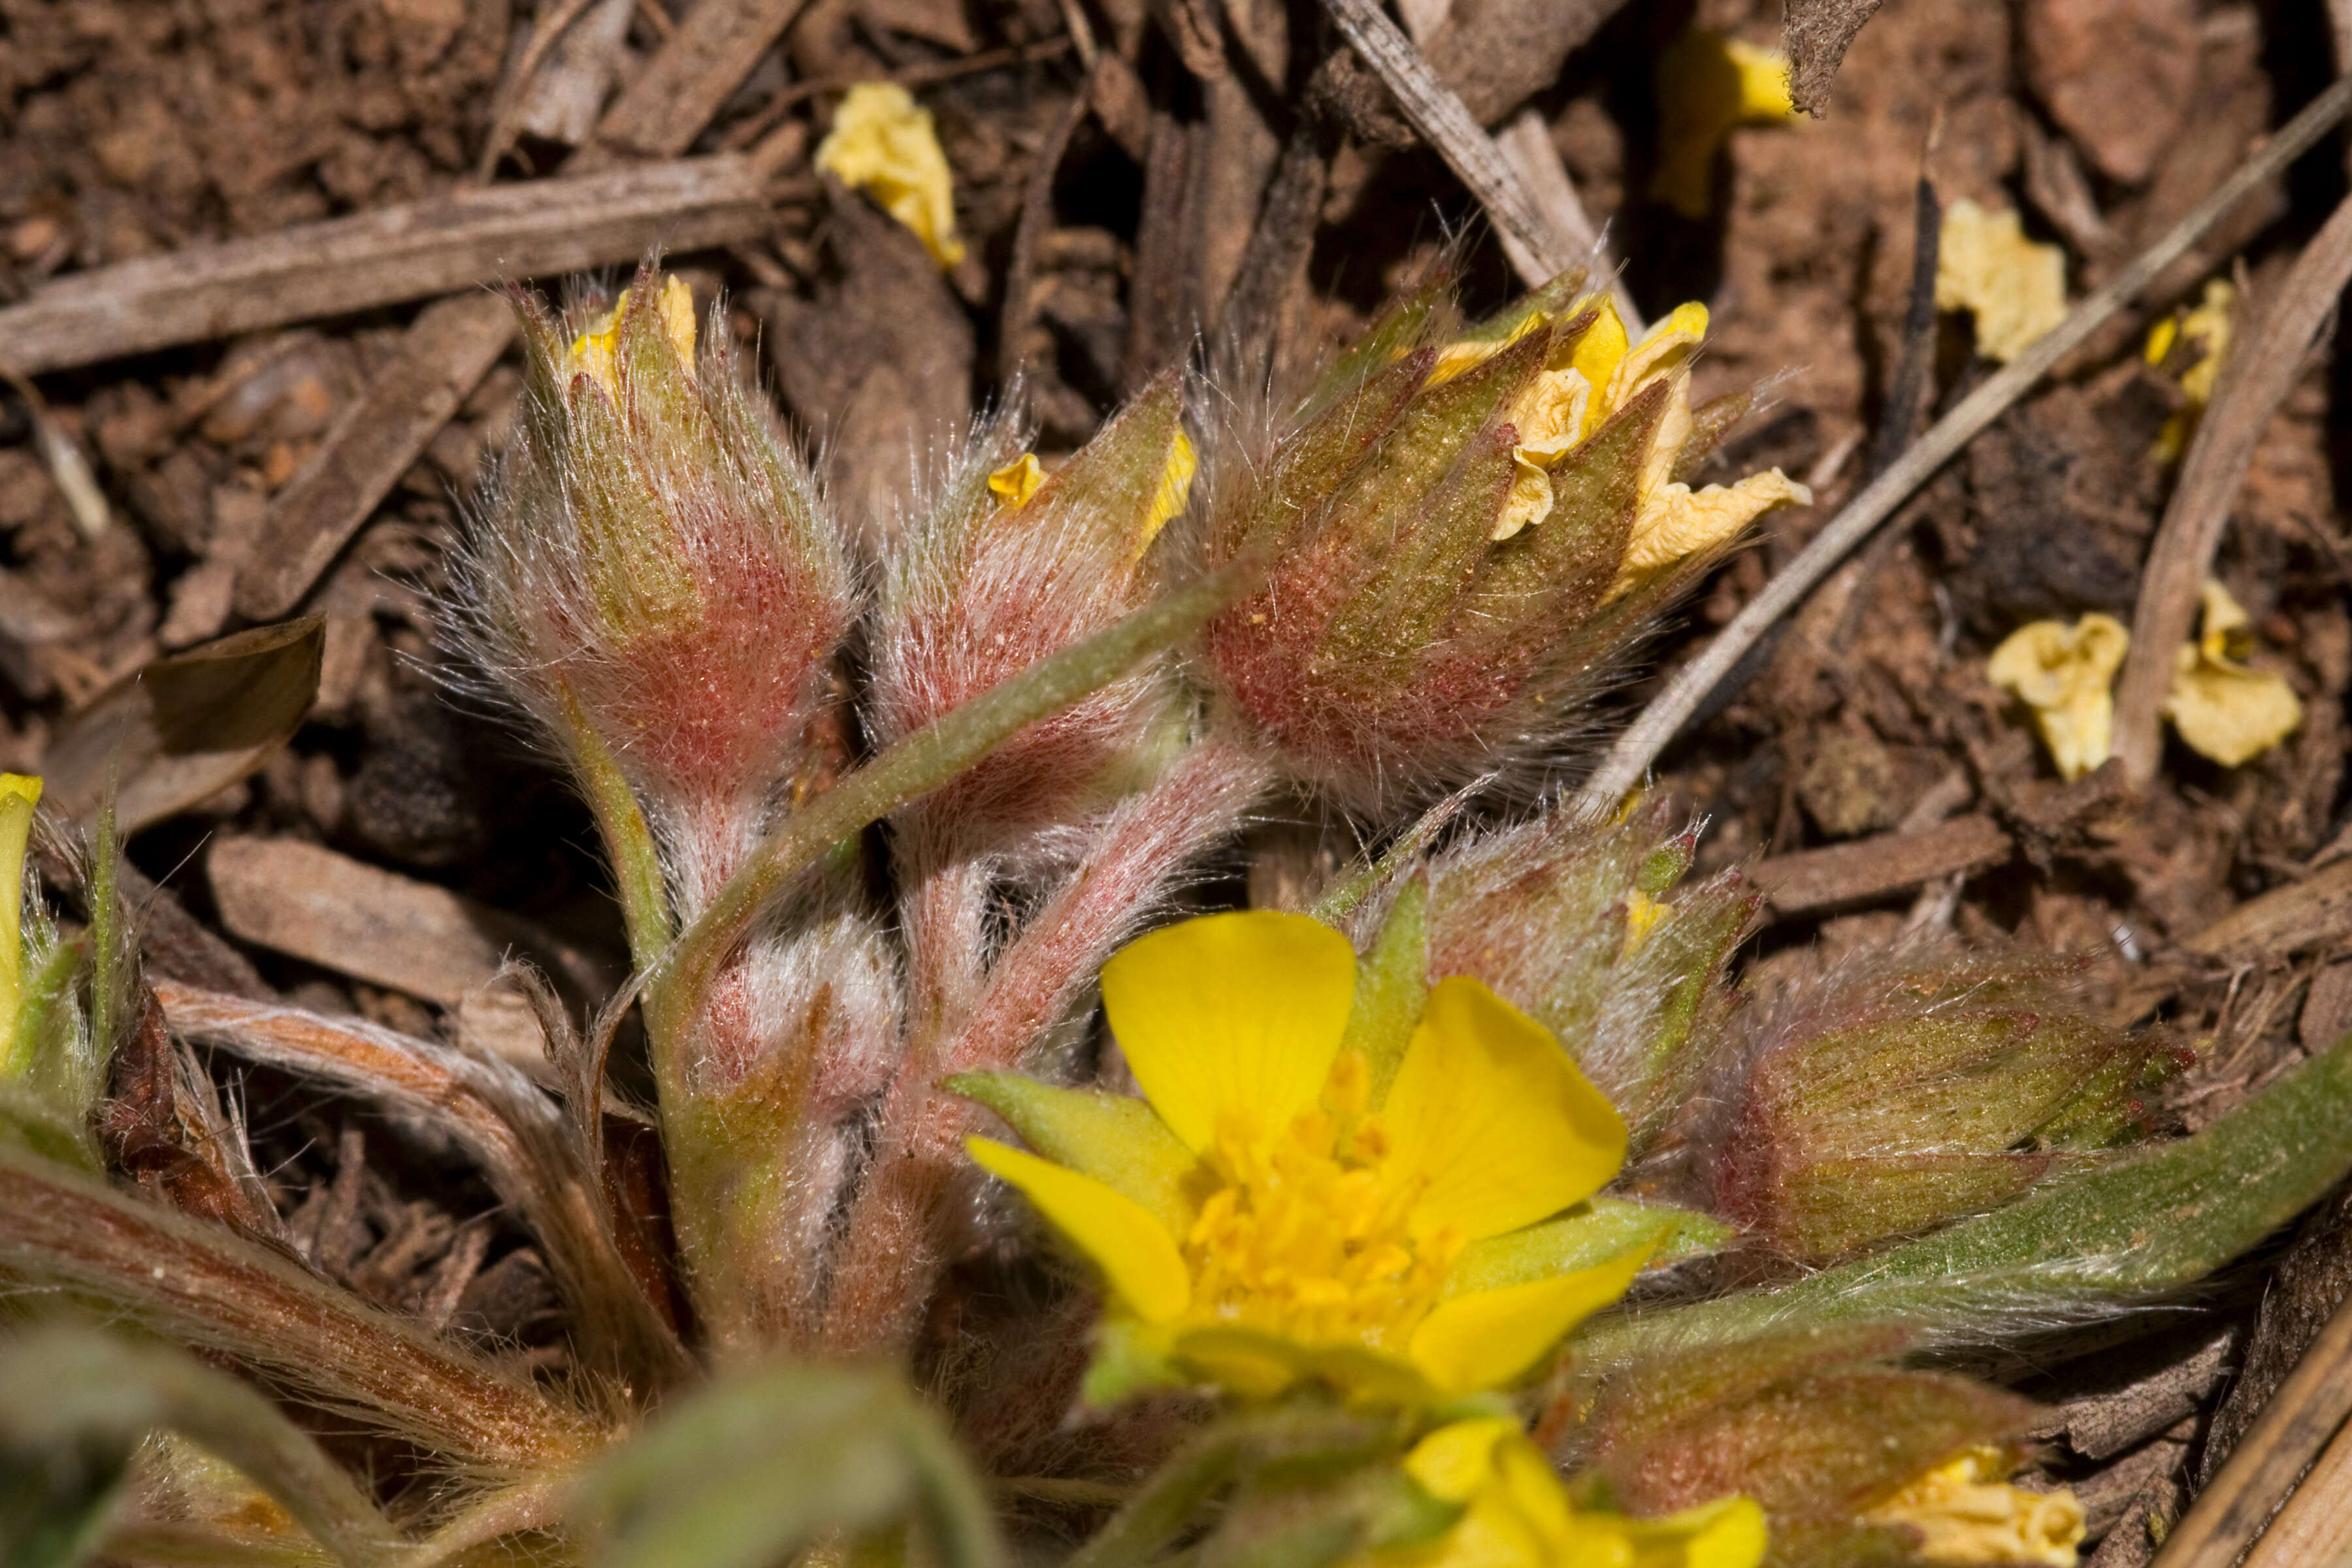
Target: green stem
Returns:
[[919, 763], [628, 837], [1218, 1456]]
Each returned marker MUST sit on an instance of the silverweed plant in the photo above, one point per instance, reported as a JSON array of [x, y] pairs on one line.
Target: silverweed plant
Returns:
[[1023, 1194]]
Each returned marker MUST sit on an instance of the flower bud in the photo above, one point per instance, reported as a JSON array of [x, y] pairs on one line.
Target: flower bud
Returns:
[[1008, 565], [1879, 1105], [651, 568], [1459, 536], [1583, 925]]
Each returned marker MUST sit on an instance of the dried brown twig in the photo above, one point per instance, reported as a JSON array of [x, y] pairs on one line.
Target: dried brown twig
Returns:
[[2261, 368], [1665, 716]]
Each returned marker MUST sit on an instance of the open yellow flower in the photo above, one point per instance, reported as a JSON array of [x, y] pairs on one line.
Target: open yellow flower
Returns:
[[883, 142], [2219, 706], [1593, 377], [1967, 1512], [1282, 1209], [2066, 675], [1516, 1514]]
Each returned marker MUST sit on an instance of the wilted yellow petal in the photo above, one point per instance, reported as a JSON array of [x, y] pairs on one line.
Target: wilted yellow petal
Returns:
[[1487, 1337], [1015, 482], [2206, 328], [1138, 1258], [593, 352], [19, 794], [1968, 1513], [2015, 288], [2064, 674], [2221, 707], [1675, 521], [1234, 1014], [1709, 86], [1490, 1121], [883, 142], [1175, 489]]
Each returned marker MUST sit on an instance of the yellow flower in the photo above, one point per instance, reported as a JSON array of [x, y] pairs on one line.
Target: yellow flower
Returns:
[[2064, 674], [883, 144], [592, 353], [1514, 1514], [1708, 87], [2015, 288], [18, 795], [2221, 708], [1282, 1209], [1967, 1513], [1588, 381], [2207, 326]]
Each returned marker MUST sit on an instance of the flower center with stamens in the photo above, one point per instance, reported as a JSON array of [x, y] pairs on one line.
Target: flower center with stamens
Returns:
[[1309, 1234]]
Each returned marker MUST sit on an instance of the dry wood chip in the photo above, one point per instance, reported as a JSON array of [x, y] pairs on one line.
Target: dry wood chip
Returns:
[[2309, 913], [2101, 1426], [1845, 873], [412, 251], [714, 48], [1815, 34], [447, 351], [341, 914]]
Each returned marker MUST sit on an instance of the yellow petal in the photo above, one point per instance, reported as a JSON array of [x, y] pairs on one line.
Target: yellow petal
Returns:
[[2015, 288], [1175, 489], [1234, 1012], [1258, 1364], [883, 144], [1597, 355], [1675, 521], [2064, 674], [1966, 1512], [1489, 1338], [1667, 348], [1708, 86], [1015, 482], [1530, 498], [1138, 1258], [1490, 1114], [2226, 711], [1455, 1461], [1728, 1533]]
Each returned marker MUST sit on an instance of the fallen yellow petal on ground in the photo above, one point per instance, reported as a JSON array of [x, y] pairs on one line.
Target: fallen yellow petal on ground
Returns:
[[2015, 288], [2219, 706], [883, 142], [2066, 675]]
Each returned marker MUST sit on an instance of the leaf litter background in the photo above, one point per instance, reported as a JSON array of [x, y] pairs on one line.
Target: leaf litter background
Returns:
[[1121, 176]]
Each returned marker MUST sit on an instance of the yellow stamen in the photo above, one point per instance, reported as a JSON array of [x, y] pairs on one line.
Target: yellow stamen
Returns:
[[1967, 1513]]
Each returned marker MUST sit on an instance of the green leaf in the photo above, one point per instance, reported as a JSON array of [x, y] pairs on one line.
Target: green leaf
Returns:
[[2132, 1229], [1116, 1138], [752, 1469], [73, 1404]]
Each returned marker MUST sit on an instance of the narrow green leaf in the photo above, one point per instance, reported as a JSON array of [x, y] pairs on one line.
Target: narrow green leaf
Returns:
[[2134, 1228], [69, 1391]]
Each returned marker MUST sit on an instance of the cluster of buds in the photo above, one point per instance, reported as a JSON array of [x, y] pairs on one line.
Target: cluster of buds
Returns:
[[1877, 1105], [1461, 526]]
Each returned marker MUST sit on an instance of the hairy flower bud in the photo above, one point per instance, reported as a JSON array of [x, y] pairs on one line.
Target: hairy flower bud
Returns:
[[651, 570], [1460, 534], [1008, 565], [1584, 924], [1879, 1105]]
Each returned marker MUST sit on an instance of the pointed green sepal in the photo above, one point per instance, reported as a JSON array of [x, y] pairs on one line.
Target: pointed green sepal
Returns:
[[1116, 1138]]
